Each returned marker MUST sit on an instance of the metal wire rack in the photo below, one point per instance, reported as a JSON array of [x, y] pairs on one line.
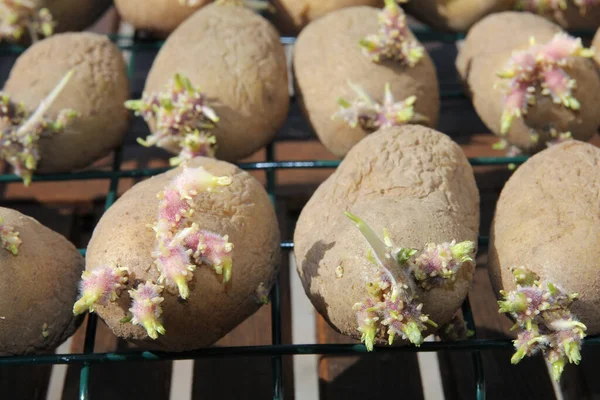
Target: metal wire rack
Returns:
[[277, 349]]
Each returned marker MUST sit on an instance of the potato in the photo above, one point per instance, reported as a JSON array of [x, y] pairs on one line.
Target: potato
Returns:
[[572, 17], [413, 182], [456, 15], [291, 16], [236, 59], [123, 239], [546, 222], [32, 20], [158, 16], [40, 270], [530, 110], [327, 57], [96, 91]]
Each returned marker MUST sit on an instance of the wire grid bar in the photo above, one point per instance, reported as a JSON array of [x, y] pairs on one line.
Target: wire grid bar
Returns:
[[277, 349]]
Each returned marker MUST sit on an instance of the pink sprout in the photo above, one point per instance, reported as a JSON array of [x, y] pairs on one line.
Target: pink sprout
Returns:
[[146, 308], [9, 238], [100, 286]]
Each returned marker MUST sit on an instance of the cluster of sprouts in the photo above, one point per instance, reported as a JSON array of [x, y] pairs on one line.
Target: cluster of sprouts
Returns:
[[367, 113], [21, 17], [391, 306], [513, 151], [555, 6], [21, 130], [180, 246], [541, 311], [394, 41], [541, 67], [9, 238], [181, 118]]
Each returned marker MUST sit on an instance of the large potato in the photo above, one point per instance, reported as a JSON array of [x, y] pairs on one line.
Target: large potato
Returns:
[[411, 180], [241, 210], [159, 16], [487, 52], [235, 56], [547, 221], [327, 56], [38, 287], [291, 16], [456, 15], [96, 92]]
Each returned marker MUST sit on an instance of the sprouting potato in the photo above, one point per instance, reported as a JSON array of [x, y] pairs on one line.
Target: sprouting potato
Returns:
[[40, 271], [182, 258], [411, 193]]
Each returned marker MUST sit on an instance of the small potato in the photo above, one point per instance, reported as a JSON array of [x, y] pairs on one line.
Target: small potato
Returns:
[[40, 271], [416, 184], [96, 92], [547, 223], [235, 57], [291, 16], [332, 70], [558, 98], [456, 15], [158, 16], [207, 288]]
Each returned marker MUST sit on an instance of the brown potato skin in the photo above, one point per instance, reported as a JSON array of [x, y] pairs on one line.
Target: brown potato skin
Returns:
[[411, 180], [481, 58], [327, 55], [97, 91], [158, 16], [236, 58], [38, 286], [242, 211], [547, 219], [291, 16], [74, 15], [455, 15]]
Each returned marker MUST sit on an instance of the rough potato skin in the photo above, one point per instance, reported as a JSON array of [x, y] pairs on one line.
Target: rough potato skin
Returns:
[[327, 55], [235, 56], [455, 15], [482, 57], [291, 16], [547, 219], [96, 91], [38, 286], [241, 210], [74, 15], [411, 180], [158, 16]]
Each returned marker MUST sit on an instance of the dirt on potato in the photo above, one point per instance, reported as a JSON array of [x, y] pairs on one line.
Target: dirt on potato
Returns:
[[158, 16], [327, 56], [37, 289], [487, 51], [412, 181], [547, 220], [291, 16], [236, 58], [96, 91], [241, 210]]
